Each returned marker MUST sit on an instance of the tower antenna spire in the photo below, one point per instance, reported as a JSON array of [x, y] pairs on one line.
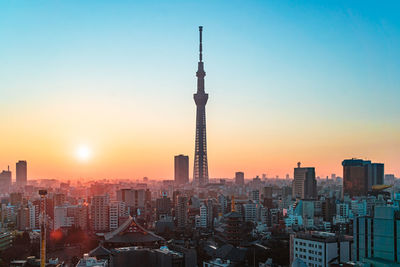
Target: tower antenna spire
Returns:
[[201, 43]]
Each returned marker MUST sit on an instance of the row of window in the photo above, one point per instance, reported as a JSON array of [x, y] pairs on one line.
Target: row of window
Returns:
[[310, 244], [309, 258]]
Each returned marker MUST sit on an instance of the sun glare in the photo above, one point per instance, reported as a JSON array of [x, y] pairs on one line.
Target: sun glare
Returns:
[[83, 153]]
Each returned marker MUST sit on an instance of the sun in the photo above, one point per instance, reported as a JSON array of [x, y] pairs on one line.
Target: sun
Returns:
[[83, 153]]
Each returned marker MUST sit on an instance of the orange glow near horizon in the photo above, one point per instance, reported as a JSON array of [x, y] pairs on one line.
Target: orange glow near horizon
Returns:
[[119, 151]]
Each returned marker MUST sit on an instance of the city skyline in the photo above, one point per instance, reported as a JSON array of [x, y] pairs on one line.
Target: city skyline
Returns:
[[119, 94]]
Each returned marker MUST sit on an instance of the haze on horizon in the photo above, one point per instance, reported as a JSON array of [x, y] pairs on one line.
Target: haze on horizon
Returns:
[[114, 82]]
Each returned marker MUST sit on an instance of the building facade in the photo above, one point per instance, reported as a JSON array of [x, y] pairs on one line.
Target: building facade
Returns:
[[304, 183], [239, 178], [21, 172], [181, 166], [377, 237], [319, 249], [360, 175]]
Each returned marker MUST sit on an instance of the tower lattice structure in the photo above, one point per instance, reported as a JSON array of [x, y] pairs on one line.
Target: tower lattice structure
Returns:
[[200, 168]]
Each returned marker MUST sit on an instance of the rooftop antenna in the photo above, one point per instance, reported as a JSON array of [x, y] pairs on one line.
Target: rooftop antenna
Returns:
[[201, 45]]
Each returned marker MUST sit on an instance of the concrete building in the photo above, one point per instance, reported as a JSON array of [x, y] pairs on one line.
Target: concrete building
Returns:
[[113, 216], [62, 218], [360, 175], [99, 213], [250, 211], [21, 172], [5, 179], [23, 219], [16, 198], [181, 165], [239, 178], [32, 216], [182, 211], [6, 239], [87, 261], [201, 220], [319, 249], [133, 198], [377, 237], [163, 206], [304, 183], [255, 196]]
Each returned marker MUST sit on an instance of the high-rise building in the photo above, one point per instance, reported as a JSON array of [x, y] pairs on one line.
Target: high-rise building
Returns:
[[181, 169], [99, 211], [61, 218], [201, 220], [255, 196], [378, 173], [117, 210], [58, 199], [5, 178], [360, 175], [81, 216], [182, 211], [200, 168], [376, 237], [23, 218], [304, 183], [133, 198], [21, 172], [239, 178], [16, 198], [163, 206]]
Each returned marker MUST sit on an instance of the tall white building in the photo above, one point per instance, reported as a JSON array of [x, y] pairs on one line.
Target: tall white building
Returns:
[[117, 210], [319, 249], [202, 219], [250, 211], [61, 218], [32, 216]]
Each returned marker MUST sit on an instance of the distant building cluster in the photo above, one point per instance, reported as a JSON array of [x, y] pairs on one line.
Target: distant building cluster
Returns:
[[325, 221]]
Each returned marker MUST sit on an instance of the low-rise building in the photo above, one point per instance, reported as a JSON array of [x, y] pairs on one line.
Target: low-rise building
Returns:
[[319, 249]]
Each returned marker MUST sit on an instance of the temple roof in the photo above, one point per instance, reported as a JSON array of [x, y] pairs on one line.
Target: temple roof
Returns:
[[99, 251], [131, 232], [233, 214]]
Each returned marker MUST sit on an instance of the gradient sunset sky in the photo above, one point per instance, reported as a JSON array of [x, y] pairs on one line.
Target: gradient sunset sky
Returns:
[[288, 81]]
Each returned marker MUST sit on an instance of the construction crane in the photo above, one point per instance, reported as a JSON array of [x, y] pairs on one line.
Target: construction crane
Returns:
[[43, 194]]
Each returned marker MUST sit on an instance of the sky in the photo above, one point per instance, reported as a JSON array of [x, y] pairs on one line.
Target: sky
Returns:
[[104, 89]]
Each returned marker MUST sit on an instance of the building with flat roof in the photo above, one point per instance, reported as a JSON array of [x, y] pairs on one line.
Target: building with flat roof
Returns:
[[21, 173], [319, 249], [304, 183], [239, 178], [181, 167], [377, 237], [360, 175], [87, 261]]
